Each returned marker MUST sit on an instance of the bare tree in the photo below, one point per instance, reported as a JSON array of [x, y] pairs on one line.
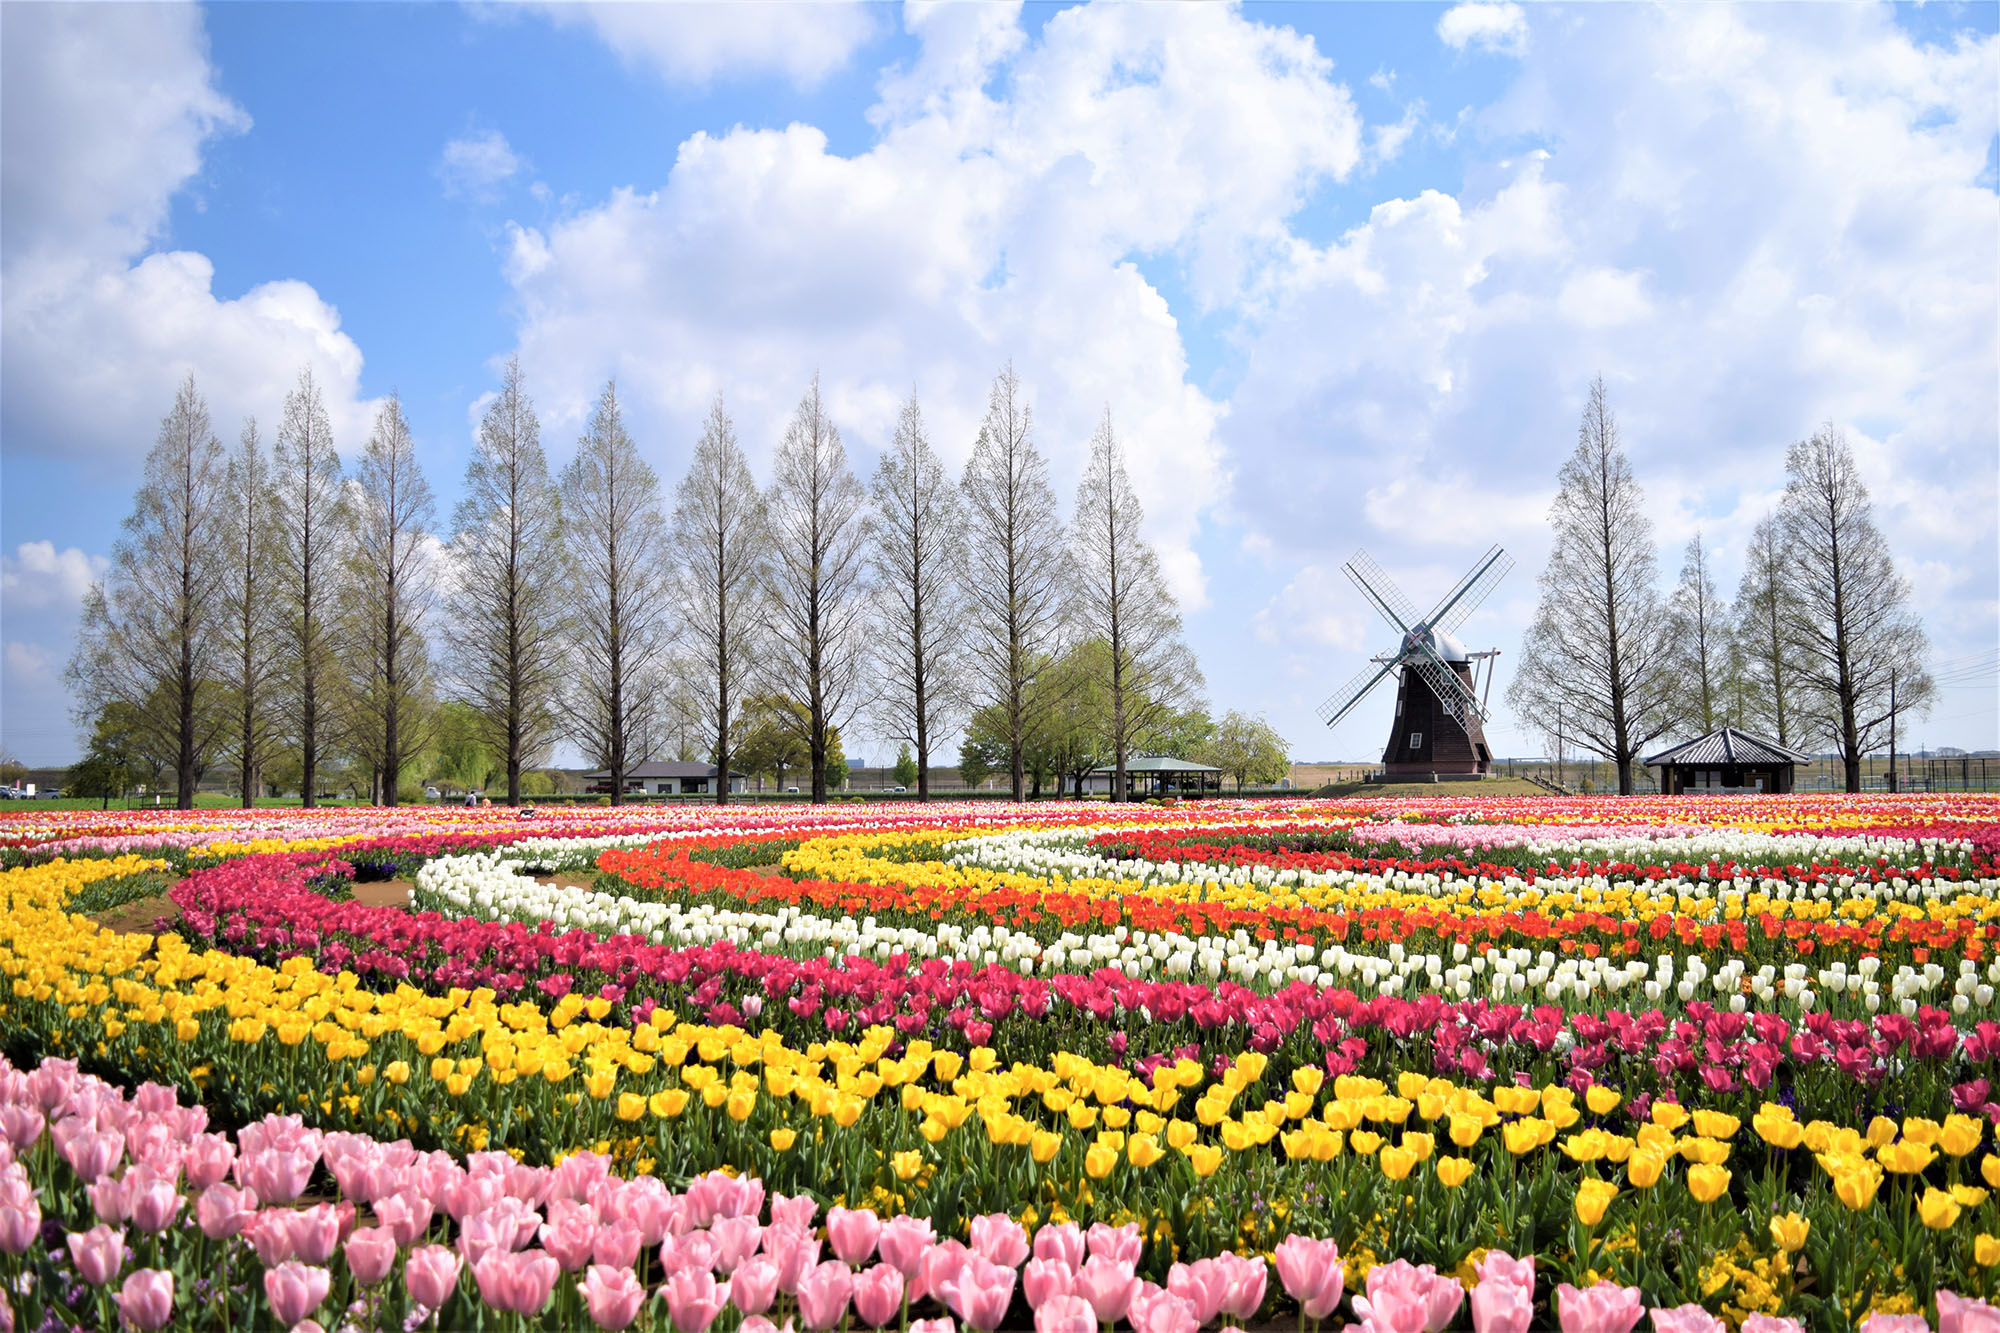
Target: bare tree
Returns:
[[919, 552], [615, 536], [1858, 646], [312, 519], [1762, 611], [720, 538], [1123, 600], [148, 636], [1014, 569], [816, 612], [1697, 629], [1596, 661], [508, 595], [247, 665], [392, 584]]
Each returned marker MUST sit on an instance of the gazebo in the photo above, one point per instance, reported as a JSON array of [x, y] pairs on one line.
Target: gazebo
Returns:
[[1726, 761], [1158, 775]]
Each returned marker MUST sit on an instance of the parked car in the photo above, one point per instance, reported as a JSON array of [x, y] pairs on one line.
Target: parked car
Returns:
[[899, 789], [792, 790], [12, 794]]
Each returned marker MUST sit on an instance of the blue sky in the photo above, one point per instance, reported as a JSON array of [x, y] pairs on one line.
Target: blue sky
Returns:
[[1342, 272]]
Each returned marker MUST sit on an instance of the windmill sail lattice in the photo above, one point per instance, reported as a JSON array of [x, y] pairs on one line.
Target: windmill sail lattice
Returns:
[[1439, 718]]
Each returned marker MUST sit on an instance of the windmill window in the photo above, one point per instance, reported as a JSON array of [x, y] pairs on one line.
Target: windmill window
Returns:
[[1416, 740]]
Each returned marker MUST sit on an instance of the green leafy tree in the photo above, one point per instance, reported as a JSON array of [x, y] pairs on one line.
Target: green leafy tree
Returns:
[[106, 769], [906, 767], [975, 762], [768, 737], [1248, 749], [459, 756]]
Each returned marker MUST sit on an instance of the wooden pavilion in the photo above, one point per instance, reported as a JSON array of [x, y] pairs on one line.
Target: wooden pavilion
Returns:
[[1726, 761]]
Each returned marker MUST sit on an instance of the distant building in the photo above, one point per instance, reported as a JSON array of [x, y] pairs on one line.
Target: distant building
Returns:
[[1726, 761], [662, 777], [1157, 775]]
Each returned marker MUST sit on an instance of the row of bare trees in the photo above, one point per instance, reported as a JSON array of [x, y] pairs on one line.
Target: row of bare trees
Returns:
[[1820, 648], [266, 602]]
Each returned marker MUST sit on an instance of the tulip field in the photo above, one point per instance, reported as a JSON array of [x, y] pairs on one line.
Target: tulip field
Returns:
[[1593, 1064]]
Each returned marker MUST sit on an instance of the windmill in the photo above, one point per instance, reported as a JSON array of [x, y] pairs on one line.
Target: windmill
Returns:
[[1440, 710]]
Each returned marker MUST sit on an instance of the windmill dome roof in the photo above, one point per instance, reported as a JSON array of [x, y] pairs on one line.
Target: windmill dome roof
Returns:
[[1450, 649]]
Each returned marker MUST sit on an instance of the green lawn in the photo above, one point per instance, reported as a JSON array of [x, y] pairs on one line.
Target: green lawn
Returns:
[[1407, 790]]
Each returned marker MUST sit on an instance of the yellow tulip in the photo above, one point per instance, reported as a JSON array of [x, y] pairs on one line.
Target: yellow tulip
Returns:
[[1522, 1136], [1707, 1182], [1856, 1188], [1669, 1116], [1098, 1161], [1453, 1171], [1600, 1099], [397, 1072], [906, 1165], [1938, 1209], [1986, 1250], [1788, 1233], [1307, 1079], [1042, 1145], [1960, 1135], [668, 1103], [1364, 1141], [1905, 1158], [783, 1139], [1881, 1130], [741, 1104], [1464, 1129], [1916, 1129], [1715, 1125], [1180, 1133], [1989, 1169], [1780, 1131], [1143, 1150], [1592, 1198], [1203, 1157], [1642, 1169]]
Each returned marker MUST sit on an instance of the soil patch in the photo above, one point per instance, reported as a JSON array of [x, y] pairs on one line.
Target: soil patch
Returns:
[[569, 879], [156, 915], [769, 870], [384, 892]]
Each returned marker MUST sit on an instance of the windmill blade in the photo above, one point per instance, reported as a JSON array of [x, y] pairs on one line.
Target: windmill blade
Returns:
[[1463, 600], [1352, 693], [1453, 694], [1380, 589]]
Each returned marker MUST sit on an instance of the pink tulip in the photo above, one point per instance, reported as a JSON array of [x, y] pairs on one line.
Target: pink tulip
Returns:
[[371, 1253], [516, 1283], [757, 1323], [754, 1285], [1117, 1242], [1063, 1242], [735, 1239], [942, 1264], [852, 1233], [1604, 1308], [1065, 1314], [1246, 1279], [984, 1290], [1001, 1239], [1770, 1323], [1045, 1279], [1160, 1311], [904, 1242], [208, 1159], [694, 1298], [431, 1274], [612, 1295], [270, 1234], [941, 1324], [694, 1250], [646, 1205], [20, 1223], [617, 1245], [98, 1253], [1500, 1306], [224, 1211], [1500, 1266], [315, 1232], [1965, 1314], [794, 1250], [1312, 1274], [1108, 1286], [278, 1175], [1895, 1323], [1203, 1284], [21, 1125], [1689, 1318], [146, 1301], [108, 1200], [878, 1294], [407, 1215], [798, 1211], [92, 1155], [571, 1238], [295, 1290], [824, 1293]]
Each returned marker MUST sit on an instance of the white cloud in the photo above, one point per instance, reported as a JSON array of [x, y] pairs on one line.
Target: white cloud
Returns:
[[696, 41], [1602, 298], [1318, 608], [472, 165], [38, 577], [976, 230], [30, 665], [1495, 27], [107, 113]]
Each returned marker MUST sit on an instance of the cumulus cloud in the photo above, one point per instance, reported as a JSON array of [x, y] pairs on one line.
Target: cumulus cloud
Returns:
[[1493, 27], [96, 332], [473, 165], [978, 228], [1749, 221], [38, 577], [30, 665], [693, 42]]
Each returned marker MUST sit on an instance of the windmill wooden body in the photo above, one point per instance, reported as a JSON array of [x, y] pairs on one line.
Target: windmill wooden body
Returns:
[[1439, 731]]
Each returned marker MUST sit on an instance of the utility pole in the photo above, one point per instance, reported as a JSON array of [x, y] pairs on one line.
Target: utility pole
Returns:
[[1892, 730]]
